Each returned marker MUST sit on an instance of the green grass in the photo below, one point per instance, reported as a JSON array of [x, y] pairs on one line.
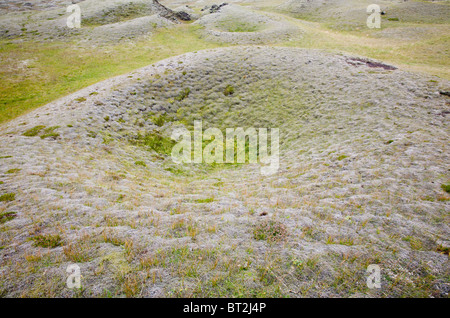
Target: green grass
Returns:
[[67, 67], [229, 90], [207, 200], [77, 252], [50, 133], [414, 242], [183, 94], [270, 231], [155, 141], [425, 55], [46, 132], [33, 131], [244, 28], [140, 163], [175, 171], [48, 240], [160, 119], [446, 187], [7, 216], [8, 197]]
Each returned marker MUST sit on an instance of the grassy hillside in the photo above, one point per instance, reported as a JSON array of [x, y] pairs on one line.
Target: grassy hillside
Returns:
[[34, 72]]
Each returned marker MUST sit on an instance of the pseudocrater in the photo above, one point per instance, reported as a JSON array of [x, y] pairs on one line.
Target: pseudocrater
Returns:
[[361, 141], [323, 104]]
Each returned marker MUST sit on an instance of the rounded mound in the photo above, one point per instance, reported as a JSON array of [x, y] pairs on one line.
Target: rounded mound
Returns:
[[238, 25], [102, 22], [351, 15], [364, 152]]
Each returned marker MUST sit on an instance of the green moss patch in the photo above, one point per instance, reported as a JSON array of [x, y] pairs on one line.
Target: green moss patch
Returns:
[[156, 142], [48, 240], [446, 187], [7, 216], [33, 131], [7, 197]]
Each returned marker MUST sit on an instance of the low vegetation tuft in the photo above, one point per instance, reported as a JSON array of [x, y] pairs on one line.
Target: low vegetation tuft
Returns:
[[7, 216], [47, 240], [7, 197], [270, 231]]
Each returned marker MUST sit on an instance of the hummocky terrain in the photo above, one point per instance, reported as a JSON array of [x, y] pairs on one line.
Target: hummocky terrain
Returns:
[[87, 178]]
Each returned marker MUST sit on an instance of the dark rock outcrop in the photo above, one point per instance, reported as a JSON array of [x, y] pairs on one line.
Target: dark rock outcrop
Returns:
[[215, 7], [183, 16], [170, 14]]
